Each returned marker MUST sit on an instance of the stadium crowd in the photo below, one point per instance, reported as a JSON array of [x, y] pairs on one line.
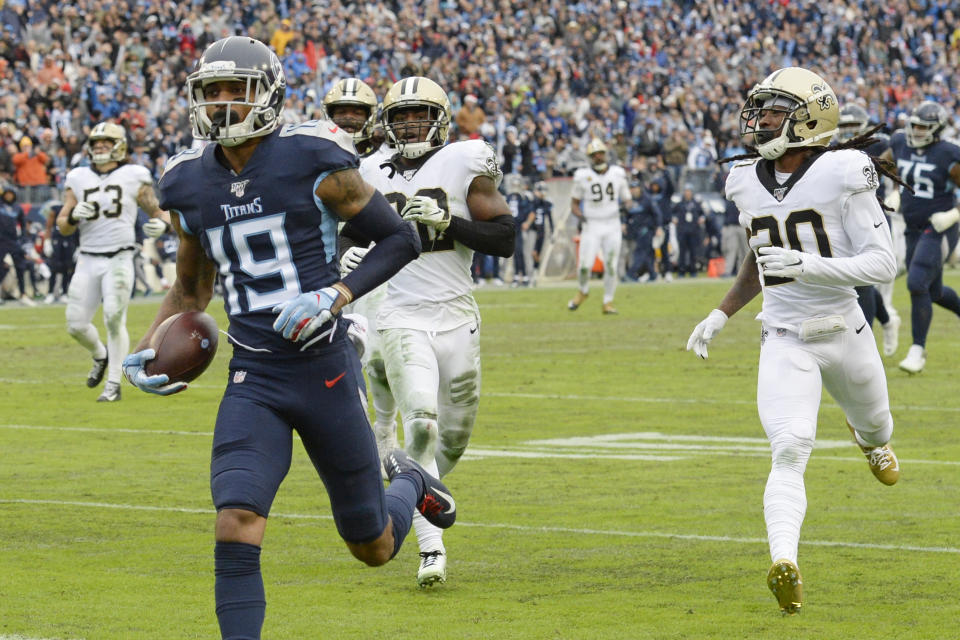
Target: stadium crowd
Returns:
[[660, 82]]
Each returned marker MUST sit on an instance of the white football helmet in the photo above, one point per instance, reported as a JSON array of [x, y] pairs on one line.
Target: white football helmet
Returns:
[[809, 106], [597, 152], [414, 138], [237, 59], [113, 133], [353, 92]]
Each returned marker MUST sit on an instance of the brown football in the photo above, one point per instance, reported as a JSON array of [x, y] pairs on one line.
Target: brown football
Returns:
[[185, 344]]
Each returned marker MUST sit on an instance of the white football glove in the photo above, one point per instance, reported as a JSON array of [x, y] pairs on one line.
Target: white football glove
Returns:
[[426, 210], [302, 315], [351, 259], [780, 262], [892, 201], [704, 332], [943, 220], [47, 248], [84, 211], [154, 228]]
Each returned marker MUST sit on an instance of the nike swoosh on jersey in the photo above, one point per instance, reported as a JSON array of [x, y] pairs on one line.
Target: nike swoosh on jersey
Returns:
[[861, 327], [447, 497], [330, 383], [877, 226]]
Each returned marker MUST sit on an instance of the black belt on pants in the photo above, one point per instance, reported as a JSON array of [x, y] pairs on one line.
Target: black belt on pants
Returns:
[[107, 254]]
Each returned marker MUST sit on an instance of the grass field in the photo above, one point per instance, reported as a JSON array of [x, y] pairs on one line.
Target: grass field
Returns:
[[612, 490]]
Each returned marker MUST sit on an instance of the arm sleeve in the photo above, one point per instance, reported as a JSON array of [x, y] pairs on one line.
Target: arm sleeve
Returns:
[[873, 261], [495, 237], [397, 244], [350, 237]]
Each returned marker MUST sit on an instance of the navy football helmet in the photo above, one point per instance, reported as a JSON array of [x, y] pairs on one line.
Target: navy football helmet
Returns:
[[237, 59], [926, 123], [854, 120]]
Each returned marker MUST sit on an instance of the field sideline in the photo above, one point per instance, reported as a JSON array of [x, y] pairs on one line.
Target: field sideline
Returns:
[[612, 490]]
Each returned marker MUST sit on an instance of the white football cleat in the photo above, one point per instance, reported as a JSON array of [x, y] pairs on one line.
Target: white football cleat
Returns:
[[891, 336], [111, 392], [433, 568], [915, 360]]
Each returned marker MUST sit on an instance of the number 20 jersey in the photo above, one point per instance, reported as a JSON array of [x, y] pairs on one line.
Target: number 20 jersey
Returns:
[[809, 212], [433, 293], [115, 196], [269, 235]]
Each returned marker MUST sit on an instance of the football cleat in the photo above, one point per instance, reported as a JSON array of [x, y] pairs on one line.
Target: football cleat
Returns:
[[891, 336], [96, 372], [111, 392], [882, 460], [787, 586], [433, 568], [608, 309], [436, 504], [916, 358], [577, 300]]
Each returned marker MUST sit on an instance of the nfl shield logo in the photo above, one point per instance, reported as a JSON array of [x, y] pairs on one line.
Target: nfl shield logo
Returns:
[[778, 193], [239, 376], [239, 188]]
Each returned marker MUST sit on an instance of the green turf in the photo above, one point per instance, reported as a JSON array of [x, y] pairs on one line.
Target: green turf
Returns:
[[106, 521]]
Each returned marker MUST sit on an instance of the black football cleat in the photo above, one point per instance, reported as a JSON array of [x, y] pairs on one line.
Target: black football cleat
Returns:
[[436, 505], [96, 372]]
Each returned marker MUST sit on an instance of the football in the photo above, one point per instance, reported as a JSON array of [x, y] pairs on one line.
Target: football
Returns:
[[185, 344]]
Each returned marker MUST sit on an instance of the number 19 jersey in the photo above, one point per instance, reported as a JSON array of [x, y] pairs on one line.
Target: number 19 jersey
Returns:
[[433, 293], [810, 212]]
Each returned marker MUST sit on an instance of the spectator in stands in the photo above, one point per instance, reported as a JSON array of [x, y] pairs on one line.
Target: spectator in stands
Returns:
[[470, 118], [282, 36], [30, 169]]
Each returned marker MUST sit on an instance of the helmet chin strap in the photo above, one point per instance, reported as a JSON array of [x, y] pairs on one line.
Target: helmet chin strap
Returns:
[[779, 145]]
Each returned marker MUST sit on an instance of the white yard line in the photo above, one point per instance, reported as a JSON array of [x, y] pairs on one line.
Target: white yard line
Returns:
[[509, 527]]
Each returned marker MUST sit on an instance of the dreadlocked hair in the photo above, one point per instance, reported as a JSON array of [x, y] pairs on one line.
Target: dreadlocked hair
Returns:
[[860, 142]]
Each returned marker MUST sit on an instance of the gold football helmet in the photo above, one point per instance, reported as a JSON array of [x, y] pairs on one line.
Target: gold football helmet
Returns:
[[597, 152], [810, 109], [113, 133], [356, 93], [414, 138]]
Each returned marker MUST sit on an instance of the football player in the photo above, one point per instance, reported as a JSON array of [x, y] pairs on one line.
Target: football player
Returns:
[[542, 210], [876, 302], [353, 106], [100, 201], [259, 207], [816, 230], [931, 167], [429, 322], [599, 192]]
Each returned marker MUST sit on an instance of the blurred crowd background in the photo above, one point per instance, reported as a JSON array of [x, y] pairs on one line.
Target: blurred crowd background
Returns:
[[660, 82]]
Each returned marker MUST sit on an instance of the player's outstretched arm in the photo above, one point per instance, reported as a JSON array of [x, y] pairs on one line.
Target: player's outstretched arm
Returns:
[[352, 199], [744, 289]]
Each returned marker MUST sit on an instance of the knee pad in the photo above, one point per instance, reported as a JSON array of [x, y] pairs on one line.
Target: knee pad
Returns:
[[790, 451], [76, 329], [421, 435], [879, 431]]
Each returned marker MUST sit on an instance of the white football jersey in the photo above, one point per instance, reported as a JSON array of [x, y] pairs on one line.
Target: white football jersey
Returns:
[[115, 195], [600, 194], [433, 293], [809, 212]]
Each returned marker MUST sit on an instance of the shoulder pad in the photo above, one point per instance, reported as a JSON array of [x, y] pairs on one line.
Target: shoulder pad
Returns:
[[325, 129]]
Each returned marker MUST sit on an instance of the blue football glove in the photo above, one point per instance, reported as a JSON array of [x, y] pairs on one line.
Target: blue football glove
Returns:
[[301, 316], [133, 369]]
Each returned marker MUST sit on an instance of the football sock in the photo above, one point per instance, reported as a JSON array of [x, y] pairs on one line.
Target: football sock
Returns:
[[785, 498], [429, 537], [609, 284], [921, 312], [240, 599], [118, 343], [403, 494]]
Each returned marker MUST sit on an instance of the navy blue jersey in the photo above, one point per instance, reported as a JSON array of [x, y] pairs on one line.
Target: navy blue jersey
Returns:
[[927, 170], [519, 207], [269, 235], [542, 212], [876, 150]]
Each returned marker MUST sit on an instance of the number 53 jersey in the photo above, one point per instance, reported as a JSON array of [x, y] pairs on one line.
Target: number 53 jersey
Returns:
[[114, 195], [827, 207], [433, 293]]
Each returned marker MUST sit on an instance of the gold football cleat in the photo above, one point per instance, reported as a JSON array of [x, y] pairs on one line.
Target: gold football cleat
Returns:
[[608, 309], [882, 460], [578, 299], [787, 586]]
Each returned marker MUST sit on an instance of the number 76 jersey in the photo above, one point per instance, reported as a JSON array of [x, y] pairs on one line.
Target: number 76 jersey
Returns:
[[814, 211]]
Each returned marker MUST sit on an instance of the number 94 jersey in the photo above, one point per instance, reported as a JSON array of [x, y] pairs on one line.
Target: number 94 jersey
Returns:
[[114, 195], [433, 293], [813, 211], [600, 194]]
